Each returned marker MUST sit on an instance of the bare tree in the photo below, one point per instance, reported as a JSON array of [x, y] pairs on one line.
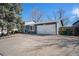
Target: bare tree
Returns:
[[36, 15], [60, 15], [49, 18]]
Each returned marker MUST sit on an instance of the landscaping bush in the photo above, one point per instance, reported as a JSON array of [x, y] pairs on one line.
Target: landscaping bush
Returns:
[[69, 32], [62, 31], [65, 31]]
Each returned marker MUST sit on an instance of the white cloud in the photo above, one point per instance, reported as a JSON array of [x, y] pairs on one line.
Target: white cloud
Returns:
[[75, 11]]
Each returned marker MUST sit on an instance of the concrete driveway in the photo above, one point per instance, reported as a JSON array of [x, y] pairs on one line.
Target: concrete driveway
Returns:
[[39, 45]]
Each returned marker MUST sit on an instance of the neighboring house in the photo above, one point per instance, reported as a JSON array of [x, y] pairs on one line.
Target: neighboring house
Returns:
[[72, 30], [76, 28], [76, 24], [42, 27]]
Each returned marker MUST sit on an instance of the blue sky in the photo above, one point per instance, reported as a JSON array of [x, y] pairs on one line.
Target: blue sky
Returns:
[[48, 8]]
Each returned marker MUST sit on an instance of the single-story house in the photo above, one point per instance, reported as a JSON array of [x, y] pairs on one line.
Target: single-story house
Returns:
[[42, 27]]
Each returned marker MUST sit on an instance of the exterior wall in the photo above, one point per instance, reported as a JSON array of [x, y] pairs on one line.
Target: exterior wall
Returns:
[[30, 29], [58, 26], [46, 29]]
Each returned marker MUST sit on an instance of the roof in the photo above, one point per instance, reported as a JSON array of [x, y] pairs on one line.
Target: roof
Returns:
[[76, 22], [40, 23], [30, 23]]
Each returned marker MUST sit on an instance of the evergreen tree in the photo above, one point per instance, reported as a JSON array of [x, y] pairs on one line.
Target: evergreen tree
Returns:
[[10, 16]]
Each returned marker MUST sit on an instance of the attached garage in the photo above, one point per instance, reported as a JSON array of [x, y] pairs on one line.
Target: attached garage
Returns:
[[42, 28], [46, 28]]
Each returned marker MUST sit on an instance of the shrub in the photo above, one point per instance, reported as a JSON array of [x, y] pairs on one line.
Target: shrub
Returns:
[[65, 31]]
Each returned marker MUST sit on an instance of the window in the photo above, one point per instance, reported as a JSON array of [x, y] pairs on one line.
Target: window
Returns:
[[32, 28]]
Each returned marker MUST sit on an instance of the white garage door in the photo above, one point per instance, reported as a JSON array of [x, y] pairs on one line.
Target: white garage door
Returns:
[[46, 29]]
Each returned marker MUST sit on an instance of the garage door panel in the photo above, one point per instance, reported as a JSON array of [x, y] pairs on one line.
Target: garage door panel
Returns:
[[46, 29]]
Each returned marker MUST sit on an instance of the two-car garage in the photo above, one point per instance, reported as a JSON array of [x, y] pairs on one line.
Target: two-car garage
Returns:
[[46, 28], [41, 28]]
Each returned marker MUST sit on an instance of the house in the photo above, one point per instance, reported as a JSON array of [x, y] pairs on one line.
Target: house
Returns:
[[30, 27], [76, 27], [76, 24], [42, 27], [72, 30]]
